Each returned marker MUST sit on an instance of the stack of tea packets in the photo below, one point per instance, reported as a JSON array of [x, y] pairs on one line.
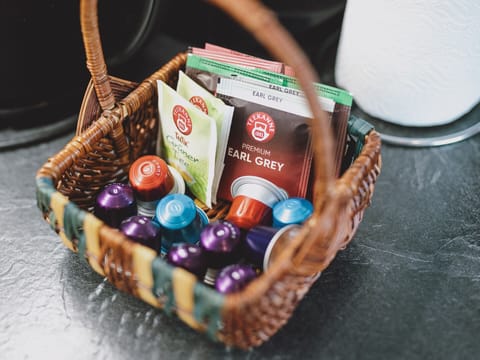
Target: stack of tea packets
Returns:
[[233, 115]]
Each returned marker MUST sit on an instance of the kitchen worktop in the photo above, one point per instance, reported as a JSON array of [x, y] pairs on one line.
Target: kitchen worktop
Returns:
[[407, 287]]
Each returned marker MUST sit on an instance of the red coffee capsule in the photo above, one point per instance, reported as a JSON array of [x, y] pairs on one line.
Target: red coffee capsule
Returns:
[[150, 179], [246, 212], [253, 199]]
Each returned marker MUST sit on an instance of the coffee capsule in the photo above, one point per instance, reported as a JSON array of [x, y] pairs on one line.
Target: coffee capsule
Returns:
[[234, 278], [143, 230], [253, 199], [180, 219], [257, 241], [115, 203], [221, 242], [282, 238], [291, 211], [190, 257], [151, 179]]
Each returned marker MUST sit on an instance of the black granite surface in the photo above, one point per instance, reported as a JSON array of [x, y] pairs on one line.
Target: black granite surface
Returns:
[[407, 287]]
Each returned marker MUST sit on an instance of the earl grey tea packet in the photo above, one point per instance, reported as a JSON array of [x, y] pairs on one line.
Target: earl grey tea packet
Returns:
[[270, 137], [208, 73]]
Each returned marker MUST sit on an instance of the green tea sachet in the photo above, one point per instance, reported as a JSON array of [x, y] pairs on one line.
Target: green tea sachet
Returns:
[[215, 108], [189, 141]]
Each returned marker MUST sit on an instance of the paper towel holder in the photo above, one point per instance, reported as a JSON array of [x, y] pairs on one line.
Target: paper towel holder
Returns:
[[405, 76]]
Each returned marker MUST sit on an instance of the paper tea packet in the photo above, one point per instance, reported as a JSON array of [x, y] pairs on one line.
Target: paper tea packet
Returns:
[[215, 108], [270, 136], [287, 70], [189, 141], [234, 58], [207, 73]]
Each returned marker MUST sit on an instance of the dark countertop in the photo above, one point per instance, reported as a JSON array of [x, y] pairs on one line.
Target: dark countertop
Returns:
[[407, 287]]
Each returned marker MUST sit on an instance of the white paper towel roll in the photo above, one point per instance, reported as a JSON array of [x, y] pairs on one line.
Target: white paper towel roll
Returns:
[[411, 62]]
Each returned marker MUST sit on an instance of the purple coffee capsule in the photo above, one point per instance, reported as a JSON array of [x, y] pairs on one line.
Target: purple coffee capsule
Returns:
[[234, 278], [115, 203], [190, 257], [221, 242], [143, 230]]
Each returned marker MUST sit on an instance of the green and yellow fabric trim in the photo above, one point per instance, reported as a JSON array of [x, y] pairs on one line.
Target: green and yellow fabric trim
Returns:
[[178, 291], [159, 284]]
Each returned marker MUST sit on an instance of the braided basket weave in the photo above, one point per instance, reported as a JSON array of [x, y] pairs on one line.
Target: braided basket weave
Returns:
[[118, 123]]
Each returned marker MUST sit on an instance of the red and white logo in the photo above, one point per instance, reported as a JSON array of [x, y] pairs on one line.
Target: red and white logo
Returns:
[[182, 120], [260, 126], [199, 103]]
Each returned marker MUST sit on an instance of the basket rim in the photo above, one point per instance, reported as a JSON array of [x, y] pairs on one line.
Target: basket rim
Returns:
[[46, 191]]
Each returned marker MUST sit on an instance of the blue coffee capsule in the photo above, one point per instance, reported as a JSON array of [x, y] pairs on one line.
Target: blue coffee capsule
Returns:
[[293, 210], [203, 216], [180, 219]]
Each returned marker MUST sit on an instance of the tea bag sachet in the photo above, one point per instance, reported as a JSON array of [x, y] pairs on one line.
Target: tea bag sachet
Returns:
[[287, 70], [240, 60], [270, 136], [208, 72], [215, 108], [189, 141]]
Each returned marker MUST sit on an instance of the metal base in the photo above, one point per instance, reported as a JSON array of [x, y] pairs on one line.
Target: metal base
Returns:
[[465, 127]]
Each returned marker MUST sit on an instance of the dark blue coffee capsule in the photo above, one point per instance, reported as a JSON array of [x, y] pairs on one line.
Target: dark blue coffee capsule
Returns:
[[280, 241], [259, 239], [256, 242]]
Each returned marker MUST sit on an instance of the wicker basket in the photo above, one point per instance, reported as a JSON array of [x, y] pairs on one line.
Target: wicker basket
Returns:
[[118, 123]]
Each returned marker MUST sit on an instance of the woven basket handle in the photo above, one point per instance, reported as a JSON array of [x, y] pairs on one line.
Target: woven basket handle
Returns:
[[264, 26], [94, 52]]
